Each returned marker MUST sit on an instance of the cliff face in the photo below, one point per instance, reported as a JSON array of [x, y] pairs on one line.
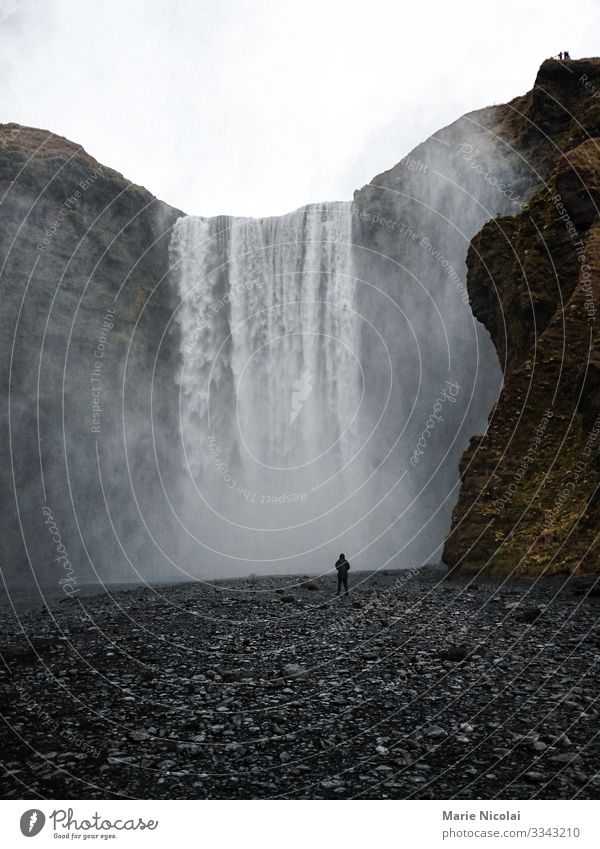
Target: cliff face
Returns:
[[85, 304], [412, 229], [528, 502], [501, 165]]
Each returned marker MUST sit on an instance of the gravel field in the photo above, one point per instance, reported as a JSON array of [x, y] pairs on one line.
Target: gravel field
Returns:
[[411, 687]]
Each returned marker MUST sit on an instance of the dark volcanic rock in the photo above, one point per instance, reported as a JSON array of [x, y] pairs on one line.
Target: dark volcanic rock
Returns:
[[530, 614]]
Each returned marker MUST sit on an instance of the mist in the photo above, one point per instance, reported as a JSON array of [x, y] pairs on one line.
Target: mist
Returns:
[[332, 373]]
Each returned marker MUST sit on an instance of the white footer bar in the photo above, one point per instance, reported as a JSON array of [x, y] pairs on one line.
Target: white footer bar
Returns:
[[296, 825]]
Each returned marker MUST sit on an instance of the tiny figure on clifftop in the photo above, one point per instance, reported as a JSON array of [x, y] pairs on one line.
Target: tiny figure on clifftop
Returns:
[[566, 54], [560, 55], [343, 567]]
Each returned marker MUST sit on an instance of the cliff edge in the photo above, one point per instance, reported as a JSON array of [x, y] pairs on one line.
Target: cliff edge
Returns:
[[529, 500]]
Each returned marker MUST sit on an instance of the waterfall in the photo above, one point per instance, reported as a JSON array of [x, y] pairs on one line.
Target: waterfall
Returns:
[[271, 380], [270, 341], [305, 389]]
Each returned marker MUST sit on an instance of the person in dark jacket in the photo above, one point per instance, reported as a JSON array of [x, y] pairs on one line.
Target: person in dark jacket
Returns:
[[343, 567]]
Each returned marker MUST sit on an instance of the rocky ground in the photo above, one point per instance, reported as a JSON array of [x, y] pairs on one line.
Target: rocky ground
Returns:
[[413, 687]]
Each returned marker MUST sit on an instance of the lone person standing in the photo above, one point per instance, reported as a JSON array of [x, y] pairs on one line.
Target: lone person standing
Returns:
[[343, 567]]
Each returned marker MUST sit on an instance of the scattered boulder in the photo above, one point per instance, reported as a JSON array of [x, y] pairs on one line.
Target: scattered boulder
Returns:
[[456, 654], [140, 736], [567, 758], [530, 615], [231, 674], [463, 652], [434, 731]]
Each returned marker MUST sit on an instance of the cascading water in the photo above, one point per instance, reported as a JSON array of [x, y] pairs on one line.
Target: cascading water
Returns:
[[271, 339], [272, 379], [311, 365]]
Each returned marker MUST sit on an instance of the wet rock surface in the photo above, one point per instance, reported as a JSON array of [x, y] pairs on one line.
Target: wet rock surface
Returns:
[[413, 687]]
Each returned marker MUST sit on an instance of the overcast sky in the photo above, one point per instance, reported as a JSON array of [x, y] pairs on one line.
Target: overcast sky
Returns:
[[253, 107]]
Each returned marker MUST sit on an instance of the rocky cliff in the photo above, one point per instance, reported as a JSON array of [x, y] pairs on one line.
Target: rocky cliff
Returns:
[[528, 501], [85, 305]]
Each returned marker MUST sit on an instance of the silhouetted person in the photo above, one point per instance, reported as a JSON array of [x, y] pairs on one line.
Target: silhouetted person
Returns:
[[560, 56], [343, 567], [566, 54]]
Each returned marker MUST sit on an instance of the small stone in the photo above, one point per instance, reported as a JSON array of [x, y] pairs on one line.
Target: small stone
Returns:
[[434, 731], [139, 736], [567, 758], [231, 674], [455, 654], [526, 739], [295, 671], [530, 615]]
